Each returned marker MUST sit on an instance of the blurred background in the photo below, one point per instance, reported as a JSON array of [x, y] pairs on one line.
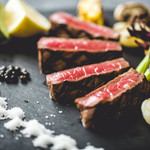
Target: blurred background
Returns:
[[54, 5]]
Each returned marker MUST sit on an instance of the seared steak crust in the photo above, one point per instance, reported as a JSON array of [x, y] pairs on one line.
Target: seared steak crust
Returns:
[[68, 26], [62, 30], [67, 91], [66, 31], [52, 61], [123, 106]]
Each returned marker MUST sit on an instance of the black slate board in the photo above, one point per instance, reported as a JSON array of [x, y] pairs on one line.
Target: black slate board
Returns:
[[23, 52]]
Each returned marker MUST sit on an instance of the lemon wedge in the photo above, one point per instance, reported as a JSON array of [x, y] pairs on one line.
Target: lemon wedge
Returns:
[[3, 30], [23, 20]]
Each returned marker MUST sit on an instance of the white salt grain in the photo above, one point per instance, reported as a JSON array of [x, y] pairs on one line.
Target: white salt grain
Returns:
[[15, 112], [60, 111], [43, 137], [3, 107], [3, 113], [46, 117], [1, 136], [64, 142], [90, 147], [3, 103], [43, 141], [16, 138], [34, 128], [13, 124]]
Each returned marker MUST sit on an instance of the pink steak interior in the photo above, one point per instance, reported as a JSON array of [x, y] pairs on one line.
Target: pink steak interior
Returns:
[[96, 30], [86, 71], [111, 90], [77, 45]]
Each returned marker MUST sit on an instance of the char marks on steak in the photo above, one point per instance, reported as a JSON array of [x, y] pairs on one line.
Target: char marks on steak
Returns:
[[117, 98], [66, 25], [56, 54], [72, 83]]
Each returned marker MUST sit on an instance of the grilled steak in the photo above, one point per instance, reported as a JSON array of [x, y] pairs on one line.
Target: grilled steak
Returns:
[[72, 83], [66, 25], [117, 98], [57, 54]]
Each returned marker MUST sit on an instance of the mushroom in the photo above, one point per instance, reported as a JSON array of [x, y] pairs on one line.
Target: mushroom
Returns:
[[125, 11]]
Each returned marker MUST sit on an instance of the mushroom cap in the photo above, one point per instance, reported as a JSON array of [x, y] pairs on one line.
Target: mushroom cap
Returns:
[[125, 11]]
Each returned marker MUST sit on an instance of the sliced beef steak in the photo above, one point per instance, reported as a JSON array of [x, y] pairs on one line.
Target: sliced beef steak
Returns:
[[56, 54], [65, 86], [117, 98], [66, 25]]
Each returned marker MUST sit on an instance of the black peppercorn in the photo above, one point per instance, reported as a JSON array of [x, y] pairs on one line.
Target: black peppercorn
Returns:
[[13, 78], [8, 72], [3, 68], [17, 70], [11, 74], [2, 77], [7, 79], [11, 68], [23, 79]]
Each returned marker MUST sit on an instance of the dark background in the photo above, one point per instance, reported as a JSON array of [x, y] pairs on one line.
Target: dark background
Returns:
[[52, 5], [22, 52]]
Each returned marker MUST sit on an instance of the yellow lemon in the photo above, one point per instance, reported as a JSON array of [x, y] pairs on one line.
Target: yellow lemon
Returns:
[[23, 20], [3, 30]]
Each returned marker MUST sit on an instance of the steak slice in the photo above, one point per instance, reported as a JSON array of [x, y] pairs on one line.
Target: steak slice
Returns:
[[117, 98], [65, 86], [56, 54], [66, 25]]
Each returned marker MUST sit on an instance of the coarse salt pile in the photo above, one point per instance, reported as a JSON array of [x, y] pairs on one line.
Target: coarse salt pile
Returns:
[[43, 137]]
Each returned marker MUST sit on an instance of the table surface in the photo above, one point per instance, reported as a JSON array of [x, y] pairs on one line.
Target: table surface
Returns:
[[23, 52]]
